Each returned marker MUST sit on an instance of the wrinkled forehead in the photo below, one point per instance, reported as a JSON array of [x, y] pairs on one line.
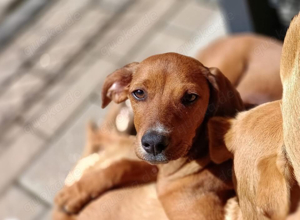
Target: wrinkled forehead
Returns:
[[172, 69]]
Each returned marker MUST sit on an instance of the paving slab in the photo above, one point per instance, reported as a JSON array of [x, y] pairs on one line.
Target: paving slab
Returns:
[[103, 48], [122, 42], [17, 96], [9, 136], [59, 88], [162, 42], [58, 18], [72, 42], [46, 175], [15, 158], [4, 5], [111, 5], [53, 116], [141, 7], [47, 215], [11, 60], [17, 204], [177, 31], [192, 16], [211, 30]]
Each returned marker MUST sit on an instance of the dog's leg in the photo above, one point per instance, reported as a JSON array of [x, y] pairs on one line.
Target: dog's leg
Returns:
[[92, 184], [273, 190]]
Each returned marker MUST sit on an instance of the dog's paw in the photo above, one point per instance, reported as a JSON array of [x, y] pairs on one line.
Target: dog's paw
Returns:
[[72, 199]]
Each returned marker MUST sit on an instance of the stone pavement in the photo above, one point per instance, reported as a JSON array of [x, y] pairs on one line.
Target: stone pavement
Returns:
[[51, 76]]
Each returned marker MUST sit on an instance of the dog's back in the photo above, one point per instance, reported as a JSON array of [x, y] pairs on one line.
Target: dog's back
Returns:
[[262, 140], [290, 74], [254, 138]]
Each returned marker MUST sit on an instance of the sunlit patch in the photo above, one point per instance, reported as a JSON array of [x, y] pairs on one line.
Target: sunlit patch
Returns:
[[80, 167], [123, 119]]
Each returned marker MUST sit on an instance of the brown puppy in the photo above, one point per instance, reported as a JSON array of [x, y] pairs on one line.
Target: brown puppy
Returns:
[[263, 142], [72, 200], [179, 95]]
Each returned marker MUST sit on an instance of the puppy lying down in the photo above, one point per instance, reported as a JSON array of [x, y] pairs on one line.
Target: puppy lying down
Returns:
[[117, 166]]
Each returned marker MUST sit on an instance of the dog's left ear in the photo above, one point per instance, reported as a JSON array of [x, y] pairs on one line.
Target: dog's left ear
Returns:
[[224, 98], [116, 84], [217, 129]]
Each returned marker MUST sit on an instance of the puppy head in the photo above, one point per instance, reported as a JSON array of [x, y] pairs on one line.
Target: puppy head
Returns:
[[171, 95]]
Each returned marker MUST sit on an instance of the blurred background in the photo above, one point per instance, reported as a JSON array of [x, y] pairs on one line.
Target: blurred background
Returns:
[[54, 57]]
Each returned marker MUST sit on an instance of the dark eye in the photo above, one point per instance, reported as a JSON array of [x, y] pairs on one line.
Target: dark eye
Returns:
[[139, 94], [189, 98]]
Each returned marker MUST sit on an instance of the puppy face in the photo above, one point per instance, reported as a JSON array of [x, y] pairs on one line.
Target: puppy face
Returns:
[[170, 95]]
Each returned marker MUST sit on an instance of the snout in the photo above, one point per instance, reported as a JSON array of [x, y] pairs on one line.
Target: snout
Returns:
[[154, 142]]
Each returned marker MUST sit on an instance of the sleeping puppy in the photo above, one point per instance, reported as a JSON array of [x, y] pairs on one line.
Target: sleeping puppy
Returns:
[[251, 63], [263, 143]]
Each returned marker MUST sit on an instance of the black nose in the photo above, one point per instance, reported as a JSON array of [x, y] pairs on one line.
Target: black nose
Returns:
[[154, 143]]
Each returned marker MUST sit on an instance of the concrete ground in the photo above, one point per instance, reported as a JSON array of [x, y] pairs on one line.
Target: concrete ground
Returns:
[[51, 76]]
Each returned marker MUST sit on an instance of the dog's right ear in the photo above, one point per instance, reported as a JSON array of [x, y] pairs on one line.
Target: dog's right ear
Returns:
[[116, 84], [224, 98]]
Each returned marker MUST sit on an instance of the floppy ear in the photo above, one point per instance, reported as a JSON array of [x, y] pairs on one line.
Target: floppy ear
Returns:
[[224, 98], [217, 128], [116, 84]]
